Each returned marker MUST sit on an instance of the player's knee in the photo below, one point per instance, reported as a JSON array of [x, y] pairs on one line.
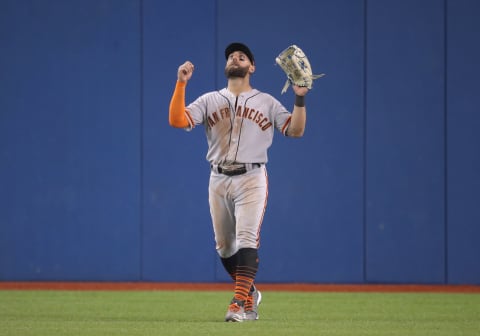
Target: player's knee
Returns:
[[247, 240], [226, 250]]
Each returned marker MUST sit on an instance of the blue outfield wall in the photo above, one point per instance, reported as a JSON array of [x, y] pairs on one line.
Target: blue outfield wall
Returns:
[[463, 154], [70, 140], [383, 188], [405, 142]]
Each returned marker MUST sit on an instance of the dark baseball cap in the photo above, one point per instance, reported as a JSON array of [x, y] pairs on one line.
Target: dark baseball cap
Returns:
[[236, 46]]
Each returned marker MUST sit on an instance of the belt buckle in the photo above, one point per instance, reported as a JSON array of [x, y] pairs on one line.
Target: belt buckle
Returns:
[[233, 171]]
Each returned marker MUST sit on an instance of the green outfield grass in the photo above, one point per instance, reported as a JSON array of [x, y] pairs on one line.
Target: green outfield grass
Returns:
[[201, 313]]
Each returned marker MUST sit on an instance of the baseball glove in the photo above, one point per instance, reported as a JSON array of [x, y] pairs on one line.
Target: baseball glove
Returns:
[[296, 66]]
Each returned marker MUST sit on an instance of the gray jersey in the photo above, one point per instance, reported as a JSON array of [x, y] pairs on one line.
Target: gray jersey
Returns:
[[239, 129]]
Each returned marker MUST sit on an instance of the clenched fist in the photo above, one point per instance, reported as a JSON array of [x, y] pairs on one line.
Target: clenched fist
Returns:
[[185, 71]]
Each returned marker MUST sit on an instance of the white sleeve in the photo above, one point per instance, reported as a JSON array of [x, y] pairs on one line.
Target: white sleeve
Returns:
[[197, 111], [281, 116]]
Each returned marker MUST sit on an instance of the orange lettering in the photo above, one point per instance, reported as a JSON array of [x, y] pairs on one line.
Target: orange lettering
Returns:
[[226, 112], [264, 128], [215, 117], [211, 123], [260, 124], [245, 112]]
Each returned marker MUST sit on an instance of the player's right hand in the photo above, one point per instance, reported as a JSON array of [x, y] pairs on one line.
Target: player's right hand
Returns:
[[185, 71]]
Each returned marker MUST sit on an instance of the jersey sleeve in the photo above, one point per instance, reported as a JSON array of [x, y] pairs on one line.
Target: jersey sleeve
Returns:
[[281, 116], [196, 111]]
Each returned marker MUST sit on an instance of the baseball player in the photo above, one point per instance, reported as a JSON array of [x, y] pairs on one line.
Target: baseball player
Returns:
[[239, 122]]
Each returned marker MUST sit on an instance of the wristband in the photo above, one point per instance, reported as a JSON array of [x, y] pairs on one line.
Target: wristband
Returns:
[[299, 101]]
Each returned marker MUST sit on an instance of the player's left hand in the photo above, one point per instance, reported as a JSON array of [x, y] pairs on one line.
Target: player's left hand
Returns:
[[300, 90]]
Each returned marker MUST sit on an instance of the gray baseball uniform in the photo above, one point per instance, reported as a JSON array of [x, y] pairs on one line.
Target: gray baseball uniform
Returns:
[[239, 132]]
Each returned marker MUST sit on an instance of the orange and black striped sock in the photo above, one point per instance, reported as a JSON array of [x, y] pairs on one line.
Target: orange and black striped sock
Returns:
[[246, 271]]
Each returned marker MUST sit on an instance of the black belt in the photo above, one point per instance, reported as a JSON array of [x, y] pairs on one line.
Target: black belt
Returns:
[[237, 171]]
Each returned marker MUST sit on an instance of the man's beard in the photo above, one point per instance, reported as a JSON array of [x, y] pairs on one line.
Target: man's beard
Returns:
[[236, 72]]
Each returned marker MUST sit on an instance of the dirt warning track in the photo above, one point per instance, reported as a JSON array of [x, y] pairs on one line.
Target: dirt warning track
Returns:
[[170, 286]]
